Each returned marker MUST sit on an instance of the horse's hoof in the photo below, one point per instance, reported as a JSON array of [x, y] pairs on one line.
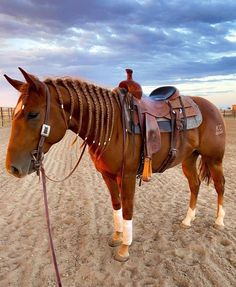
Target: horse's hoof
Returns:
[[184, 226], [122, 253], [114, 243], [218, 227], [120, 258]]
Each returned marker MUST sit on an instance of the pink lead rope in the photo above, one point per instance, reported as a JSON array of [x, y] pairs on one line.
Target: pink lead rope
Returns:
[[44, 178], [42, 171]]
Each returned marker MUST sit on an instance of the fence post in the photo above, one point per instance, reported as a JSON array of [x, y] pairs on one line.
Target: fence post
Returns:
[[9, 115], [2, 116], [11, 110]]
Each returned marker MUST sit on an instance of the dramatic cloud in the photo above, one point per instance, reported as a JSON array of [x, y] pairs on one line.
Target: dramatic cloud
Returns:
[[163, 41]]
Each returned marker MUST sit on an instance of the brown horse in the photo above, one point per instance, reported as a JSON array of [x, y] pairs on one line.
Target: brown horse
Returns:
[[94, 113]]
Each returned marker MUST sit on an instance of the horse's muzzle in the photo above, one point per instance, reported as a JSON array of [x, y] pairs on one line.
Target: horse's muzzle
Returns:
[[19, 170]]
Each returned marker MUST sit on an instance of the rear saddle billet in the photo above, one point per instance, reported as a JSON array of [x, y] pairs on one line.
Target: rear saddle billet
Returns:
[[165, 110]]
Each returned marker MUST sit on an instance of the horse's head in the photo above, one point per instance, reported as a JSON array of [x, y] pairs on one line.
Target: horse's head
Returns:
[[29, 117]]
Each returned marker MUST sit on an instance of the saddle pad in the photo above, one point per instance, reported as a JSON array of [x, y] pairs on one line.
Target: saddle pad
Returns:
[[161, 111], [191, 123]]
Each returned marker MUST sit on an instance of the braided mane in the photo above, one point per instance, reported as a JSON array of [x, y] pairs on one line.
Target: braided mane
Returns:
[[100, 102]]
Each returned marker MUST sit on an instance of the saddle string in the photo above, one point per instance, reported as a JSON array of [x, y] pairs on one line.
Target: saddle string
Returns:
[[172, 151], [184, 114]]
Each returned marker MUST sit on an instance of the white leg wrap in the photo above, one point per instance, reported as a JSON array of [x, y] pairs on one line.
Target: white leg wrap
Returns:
[[220, 216], [189, 217], [118, 220], [127, 232]]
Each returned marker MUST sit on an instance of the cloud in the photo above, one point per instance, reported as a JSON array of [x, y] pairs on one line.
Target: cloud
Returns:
[[162, 41]]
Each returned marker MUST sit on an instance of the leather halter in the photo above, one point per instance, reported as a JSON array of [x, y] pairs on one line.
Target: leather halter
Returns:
[[37, 154]]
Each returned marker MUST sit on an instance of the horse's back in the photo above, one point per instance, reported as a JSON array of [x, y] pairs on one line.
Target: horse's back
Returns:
[[212, 130]]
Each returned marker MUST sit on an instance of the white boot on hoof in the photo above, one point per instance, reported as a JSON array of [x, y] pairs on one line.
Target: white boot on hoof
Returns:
[[219, 223], [186, 223]]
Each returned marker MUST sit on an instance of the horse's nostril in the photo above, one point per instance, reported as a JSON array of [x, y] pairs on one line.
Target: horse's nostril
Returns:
[[15, 170]]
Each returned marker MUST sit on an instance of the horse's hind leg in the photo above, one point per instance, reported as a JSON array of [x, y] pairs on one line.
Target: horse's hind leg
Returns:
[[190, 171], [117, 211], [217, 175]]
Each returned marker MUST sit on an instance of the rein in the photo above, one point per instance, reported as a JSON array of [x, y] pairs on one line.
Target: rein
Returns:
[[74, 168]]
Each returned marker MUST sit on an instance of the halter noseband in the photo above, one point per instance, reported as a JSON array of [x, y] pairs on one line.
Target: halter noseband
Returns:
[[37, 154]]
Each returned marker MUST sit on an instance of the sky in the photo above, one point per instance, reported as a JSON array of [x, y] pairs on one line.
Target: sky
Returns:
[[188, 44]]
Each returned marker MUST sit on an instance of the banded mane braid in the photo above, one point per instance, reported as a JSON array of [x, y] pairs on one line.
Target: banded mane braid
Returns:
[[101, 109]]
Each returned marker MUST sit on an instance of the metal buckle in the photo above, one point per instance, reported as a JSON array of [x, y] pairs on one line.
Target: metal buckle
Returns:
[[45, 130]]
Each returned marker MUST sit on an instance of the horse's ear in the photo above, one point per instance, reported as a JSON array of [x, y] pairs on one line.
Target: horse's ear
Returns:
[[16, 84], [29, 79]]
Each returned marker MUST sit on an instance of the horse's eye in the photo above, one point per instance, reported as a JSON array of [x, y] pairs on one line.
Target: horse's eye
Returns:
[[32, 115]]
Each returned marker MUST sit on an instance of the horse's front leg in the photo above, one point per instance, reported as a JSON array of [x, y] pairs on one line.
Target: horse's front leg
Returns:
[[112, 185], [127, 187]]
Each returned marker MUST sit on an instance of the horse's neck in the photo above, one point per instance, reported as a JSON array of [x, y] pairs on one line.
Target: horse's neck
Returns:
[[89, 111]]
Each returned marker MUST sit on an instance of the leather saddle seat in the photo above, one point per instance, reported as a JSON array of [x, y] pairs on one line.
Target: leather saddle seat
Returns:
[[164, 93]]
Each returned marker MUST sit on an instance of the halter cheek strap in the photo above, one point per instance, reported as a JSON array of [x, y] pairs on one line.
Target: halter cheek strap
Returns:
[[37, 155]]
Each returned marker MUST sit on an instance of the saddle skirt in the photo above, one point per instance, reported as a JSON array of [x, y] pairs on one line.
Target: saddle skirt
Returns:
[[154, 116], [183, 107]]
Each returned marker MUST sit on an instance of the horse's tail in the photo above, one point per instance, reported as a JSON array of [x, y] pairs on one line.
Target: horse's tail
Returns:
[[204, 171]]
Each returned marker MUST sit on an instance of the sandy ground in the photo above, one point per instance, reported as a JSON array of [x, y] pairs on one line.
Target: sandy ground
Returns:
[[162, 254]]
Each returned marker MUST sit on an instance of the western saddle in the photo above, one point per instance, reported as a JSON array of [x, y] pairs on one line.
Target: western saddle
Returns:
[[165, 110]]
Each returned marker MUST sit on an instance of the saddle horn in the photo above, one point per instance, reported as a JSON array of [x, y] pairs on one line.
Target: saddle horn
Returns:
[[130, 85], [15, 83]]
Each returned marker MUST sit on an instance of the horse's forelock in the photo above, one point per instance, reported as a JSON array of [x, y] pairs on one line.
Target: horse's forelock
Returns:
[[24, 89]]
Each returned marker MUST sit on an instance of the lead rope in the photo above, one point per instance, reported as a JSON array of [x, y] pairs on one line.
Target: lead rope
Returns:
[[37, 156], [43, 176], [38, 162]]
